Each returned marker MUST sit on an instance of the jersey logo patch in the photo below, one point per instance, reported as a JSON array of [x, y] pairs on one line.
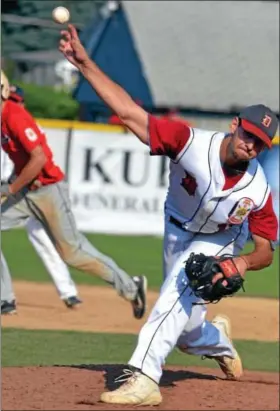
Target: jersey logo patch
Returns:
[[30, 134], [189, 184], [241, 210]]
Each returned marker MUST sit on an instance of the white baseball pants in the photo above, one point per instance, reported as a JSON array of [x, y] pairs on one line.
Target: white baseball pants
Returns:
[[174, 320], [7, 291], [51, 259]]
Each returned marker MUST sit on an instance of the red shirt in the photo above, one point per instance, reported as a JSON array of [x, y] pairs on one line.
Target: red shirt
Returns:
[[169, 137], [20, 135], [115, 120]]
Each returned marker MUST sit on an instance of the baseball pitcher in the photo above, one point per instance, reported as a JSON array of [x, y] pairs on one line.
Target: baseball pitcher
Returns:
[[39, 191], [217, 194]]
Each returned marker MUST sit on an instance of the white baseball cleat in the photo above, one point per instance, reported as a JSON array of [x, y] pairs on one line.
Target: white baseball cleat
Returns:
[[231, 367], [138, 389]]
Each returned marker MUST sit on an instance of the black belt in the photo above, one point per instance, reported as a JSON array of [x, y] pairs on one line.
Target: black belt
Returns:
[[181, 225], [176, 222]]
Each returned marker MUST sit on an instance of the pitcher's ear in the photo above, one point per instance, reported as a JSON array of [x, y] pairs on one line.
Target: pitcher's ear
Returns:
[[234, 124]]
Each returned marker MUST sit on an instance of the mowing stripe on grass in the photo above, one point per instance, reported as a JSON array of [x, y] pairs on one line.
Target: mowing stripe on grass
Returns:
[[37, 347], [137, 255]]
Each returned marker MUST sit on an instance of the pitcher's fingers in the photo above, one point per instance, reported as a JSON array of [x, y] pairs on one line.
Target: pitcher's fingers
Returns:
[[62, 43], [217, 277], [73, 32], [66, 35]]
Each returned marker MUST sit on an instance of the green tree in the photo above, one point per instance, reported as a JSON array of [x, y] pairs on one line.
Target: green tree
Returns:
[[22, 37], [46, 102]]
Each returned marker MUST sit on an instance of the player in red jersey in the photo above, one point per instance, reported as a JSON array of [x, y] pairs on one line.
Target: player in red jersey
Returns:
[[38, 190]]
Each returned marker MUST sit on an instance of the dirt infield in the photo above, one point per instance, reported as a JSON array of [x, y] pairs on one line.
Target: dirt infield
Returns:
[[40, 308], [79, 387]]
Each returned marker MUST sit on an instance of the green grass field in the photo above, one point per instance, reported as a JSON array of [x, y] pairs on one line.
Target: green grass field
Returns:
[[136, 255], [25, 347]]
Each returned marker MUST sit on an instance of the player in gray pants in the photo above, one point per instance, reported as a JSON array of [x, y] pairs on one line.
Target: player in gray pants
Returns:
[[38, 190], [38, 237], [51, 205]]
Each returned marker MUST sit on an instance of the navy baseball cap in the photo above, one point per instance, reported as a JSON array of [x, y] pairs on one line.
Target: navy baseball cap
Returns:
[[260, 121]]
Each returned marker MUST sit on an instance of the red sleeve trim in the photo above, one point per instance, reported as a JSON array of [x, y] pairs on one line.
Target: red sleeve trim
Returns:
[[167, 137], [264, 221]]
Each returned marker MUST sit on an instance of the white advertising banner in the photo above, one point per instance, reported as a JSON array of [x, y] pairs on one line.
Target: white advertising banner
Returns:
[[58, 139], [115, 185]]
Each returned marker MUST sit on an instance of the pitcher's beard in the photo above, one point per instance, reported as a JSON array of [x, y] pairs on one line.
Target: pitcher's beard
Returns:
[[235, 165]]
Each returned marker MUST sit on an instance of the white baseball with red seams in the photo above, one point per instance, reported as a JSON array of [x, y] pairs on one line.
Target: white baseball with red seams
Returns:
[[61, 15], [213, 215]]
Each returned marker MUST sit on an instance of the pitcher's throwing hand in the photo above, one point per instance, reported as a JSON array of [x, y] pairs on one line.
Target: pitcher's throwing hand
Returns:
[[71, 47]]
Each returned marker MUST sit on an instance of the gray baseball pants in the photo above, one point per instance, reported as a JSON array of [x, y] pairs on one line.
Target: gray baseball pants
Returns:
[[51, 205]]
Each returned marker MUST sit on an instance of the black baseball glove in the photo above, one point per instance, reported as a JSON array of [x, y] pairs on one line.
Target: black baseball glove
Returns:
[[200, 270]]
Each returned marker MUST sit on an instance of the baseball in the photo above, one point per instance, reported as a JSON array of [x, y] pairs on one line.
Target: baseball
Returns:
[[61, 15]]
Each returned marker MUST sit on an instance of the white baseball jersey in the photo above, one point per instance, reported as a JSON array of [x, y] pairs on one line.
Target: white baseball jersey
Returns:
[[196, 196], [199, 195]]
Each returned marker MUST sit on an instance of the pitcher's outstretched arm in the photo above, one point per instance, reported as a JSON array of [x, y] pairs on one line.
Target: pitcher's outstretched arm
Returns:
[[131, 114]]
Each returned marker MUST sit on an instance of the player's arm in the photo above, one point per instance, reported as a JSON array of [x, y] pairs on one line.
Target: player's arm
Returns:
[[26, 131], [134, 117], [131, 114], [263, 226], [165, 137], [30, 171], [261, 256]]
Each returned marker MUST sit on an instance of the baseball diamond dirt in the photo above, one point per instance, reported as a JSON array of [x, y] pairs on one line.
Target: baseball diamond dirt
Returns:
[[78, 387]]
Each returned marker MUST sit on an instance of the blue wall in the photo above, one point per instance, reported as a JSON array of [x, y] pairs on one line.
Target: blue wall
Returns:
[[270, 162], [110, 45]]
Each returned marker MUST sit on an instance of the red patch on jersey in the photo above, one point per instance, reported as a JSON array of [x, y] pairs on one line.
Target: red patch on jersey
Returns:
[[189, 183]]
